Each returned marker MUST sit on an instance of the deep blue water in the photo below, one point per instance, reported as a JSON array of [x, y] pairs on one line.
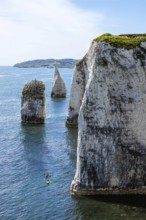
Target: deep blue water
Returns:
[[26, 152]]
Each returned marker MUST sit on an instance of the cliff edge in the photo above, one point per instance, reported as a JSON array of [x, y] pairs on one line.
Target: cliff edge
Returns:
[[111, 80]]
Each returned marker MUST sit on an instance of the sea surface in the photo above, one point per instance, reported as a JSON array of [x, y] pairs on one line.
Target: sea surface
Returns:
[[27, 152]]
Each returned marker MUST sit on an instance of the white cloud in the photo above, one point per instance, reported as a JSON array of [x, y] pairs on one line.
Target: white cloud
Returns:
[[32, 29]]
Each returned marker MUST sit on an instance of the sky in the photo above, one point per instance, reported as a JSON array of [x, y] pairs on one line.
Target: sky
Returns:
[[42, 29]]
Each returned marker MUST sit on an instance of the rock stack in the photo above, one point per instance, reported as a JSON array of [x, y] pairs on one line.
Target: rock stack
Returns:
[[33, 102], [78, 84], [111, 80], [58, 87]]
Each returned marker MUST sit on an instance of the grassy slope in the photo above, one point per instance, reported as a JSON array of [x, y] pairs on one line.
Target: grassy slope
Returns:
[[122, 41]]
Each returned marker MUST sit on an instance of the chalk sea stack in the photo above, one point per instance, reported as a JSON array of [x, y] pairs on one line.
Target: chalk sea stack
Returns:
[[33, 102], [79, 81], [58, 86], [111, 80]]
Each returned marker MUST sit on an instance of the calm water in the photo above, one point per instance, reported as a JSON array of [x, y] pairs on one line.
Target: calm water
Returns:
[[26, 152]]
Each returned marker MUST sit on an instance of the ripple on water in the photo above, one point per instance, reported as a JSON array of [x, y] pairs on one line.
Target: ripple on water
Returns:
[[26, 152]]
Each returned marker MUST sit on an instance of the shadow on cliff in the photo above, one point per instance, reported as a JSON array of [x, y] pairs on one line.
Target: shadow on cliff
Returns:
[[71, 142], [58, 99], [71, 137], [129, 200], [111, 207]]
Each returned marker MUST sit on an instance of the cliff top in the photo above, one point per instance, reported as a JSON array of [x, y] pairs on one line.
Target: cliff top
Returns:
[[34, 89], [127, 41]]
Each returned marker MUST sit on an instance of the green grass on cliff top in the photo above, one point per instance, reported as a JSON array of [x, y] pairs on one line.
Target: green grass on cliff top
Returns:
[[127, 41], [34, 89]]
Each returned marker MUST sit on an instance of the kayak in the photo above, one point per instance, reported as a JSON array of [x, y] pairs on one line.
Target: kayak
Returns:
[[48, 181]]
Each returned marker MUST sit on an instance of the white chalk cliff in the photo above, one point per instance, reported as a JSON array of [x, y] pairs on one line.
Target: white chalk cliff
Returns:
[[79, 80], [58, 86], [111, 81]]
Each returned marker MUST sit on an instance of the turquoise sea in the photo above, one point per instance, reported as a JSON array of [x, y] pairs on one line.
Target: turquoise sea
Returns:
[[27, 152]]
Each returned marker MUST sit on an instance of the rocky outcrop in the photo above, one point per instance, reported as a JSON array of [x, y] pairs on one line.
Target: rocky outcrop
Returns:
[[58, 86], [82, 72], [33, 102], [79, 80], [111, 155]]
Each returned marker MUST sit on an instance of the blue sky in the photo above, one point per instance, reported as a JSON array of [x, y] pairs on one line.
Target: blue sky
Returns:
[[41, 29], [120, 16]]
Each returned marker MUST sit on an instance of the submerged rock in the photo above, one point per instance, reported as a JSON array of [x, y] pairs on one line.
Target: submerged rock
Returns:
[[33, 102], [58, 87], [111, 154]]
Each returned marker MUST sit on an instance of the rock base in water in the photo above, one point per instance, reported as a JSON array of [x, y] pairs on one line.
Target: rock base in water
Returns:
[[78, 190], [72, 122]]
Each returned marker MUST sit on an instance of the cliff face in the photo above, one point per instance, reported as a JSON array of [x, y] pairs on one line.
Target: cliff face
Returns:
[[33, 102], [79, 81], [81, 75], [58, 86], [111, 153]]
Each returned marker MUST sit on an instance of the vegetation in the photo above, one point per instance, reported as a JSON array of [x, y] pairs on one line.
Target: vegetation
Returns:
[[102, 62], [127, 41], [35, 89], [79, 63]]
